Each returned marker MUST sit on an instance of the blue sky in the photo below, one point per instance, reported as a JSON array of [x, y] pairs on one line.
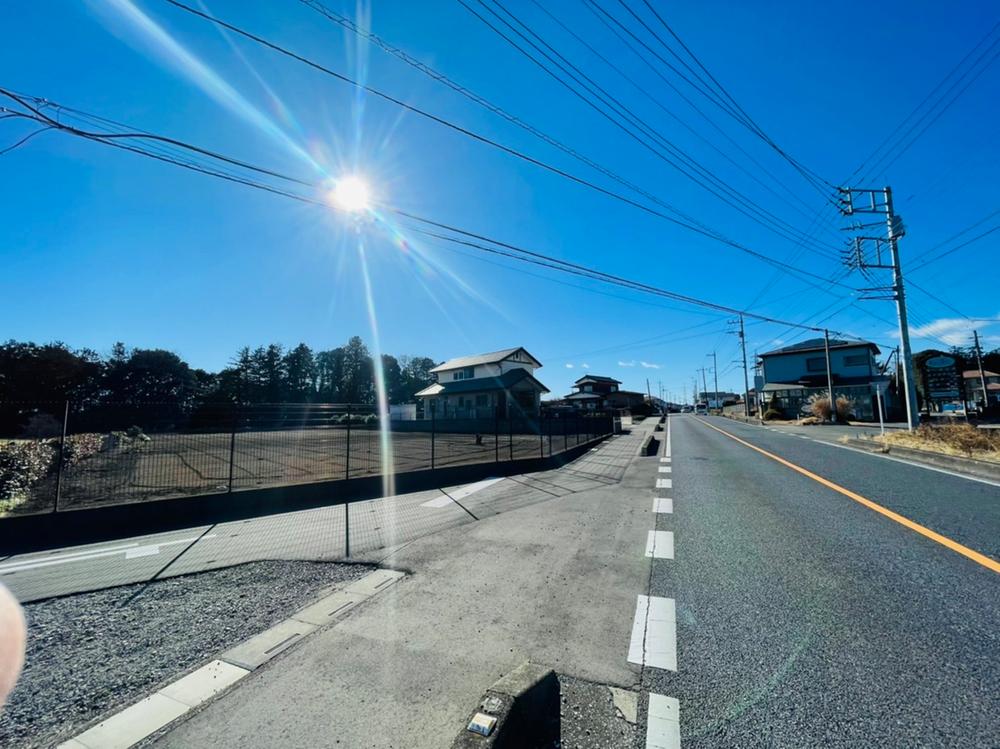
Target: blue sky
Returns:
[[99, 245]]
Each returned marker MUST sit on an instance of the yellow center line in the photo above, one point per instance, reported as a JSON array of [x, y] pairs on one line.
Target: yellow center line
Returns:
[[987, 562]]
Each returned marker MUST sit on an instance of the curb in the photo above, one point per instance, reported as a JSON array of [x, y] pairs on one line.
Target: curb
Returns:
[[970, 466], [520, 709], [155, 712]]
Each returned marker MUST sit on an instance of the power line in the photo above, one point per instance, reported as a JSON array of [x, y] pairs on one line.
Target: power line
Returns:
[[729, 194], [956, 248], [697, 228], [513, 119], [889, 138], [809, 175], [465, 237], [440, 77]]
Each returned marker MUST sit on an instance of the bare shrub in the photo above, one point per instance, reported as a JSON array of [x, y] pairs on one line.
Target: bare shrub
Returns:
[[819, 406], [22, 465]]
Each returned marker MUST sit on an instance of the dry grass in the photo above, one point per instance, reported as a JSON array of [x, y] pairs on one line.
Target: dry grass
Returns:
[[963, 440]]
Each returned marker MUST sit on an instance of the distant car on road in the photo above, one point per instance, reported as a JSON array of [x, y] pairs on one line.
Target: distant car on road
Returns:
[[701, 409]]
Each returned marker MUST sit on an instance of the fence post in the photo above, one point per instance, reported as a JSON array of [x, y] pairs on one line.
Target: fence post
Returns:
[[578, 430], [347, 452], [541, 438], [59, 465], [232, 446], [347, 529], [550, 436], [496, 432], [433, 432], [510, 435]]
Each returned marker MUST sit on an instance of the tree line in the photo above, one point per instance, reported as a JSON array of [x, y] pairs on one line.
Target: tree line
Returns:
[[53, 373]]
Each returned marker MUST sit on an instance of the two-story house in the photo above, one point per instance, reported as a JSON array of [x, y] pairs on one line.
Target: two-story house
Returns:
[[500, 383], [974, 387], [599, 393], [591, 392], [793, 374]]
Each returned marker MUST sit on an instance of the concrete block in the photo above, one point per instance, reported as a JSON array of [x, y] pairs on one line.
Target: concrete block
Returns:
[[261, 648], [203, 684], [133, 724], [329, 609], [525, 703], [374, 582]]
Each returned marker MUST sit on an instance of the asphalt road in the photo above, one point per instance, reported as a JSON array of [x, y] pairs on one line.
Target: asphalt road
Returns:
[[807, 595], [805, 618]]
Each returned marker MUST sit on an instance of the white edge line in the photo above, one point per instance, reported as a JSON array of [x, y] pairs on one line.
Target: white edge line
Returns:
[[945, 471]]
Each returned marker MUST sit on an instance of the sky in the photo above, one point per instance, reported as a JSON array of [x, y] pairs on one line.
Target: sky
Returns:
[[99, 245]]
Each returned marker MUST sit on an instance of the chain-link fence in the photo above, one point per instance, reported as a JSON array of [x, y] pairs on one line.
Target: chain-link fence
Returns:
[[59, 456]]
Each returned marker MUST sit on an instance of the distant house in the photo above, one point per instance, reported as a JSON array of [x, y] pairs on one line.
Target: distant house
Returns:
[[598, 393], [500, 383], [974, 386], [793, 374], [591, 390]]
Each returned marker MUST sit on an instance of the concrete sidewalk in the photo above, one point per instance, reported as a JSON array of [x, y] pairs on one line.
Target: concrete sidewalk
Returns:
[[554, 582]]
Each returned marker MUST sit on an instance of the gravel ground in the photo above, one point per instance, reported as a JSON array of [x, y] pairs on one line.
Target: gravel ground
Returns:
[[93, 653], [588, 718]]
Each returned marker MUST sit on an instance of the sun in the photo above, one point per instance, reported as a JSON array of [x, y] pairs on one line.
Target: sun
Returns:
[[351, 194]]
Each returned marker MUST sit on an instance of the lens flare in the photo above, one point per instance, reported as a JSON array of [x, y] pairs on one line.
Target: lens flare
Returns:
[[351, 194]]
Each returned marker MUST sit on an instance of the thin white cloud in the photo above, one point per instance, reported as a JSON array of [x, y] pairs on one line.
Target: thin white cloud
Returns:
[[569, 366], [626, 363], [585, 366], [954, 331], [649, 365]]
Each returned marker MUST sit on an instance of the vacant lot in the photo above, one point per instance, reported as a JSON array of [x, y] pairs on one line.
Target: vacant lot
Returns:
[[171, 465]]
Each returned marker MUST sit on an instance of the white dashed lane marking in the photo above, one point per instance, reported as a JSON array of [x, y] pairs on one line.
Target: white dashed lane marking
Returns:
[[663, 504], [663, 727], [664, 484], [654, 633], [664, 460], [665, 469], [660, 545]]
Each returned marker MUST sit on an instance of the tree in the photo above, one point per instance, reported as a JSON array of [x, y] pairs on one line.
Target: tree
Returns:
[[300, 374], [393, 378], [357, 384], [416, 375], [329, 375], [148, 376]]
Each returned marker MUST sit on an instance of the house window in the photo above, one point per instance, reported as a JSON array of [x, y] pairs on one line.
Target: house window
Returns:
[[482, 400], [816, 364], [467, 373], [588, 388], [856, 360]]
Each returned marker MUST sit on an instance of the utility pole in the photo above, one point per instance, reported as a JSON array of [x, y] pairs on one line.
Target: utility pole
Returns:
[[859, 259], [746, 376], [704, 384], [982, 373], [829, 376], [715, 375]]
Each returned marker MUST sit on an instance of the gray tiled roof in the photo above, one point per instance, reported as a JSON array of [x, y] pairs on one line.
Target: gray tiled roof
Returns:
[[482, 384], [470, 361], [816, 344]]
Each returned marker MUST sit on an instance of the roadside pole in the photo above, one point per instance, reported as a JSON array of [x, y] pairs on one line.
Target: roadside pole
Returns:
[[232, 446], [982, 373], [496, 433], [62, 451], [746, 377], [829, 376], [347, 452], [433, 432], [881, 421]]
